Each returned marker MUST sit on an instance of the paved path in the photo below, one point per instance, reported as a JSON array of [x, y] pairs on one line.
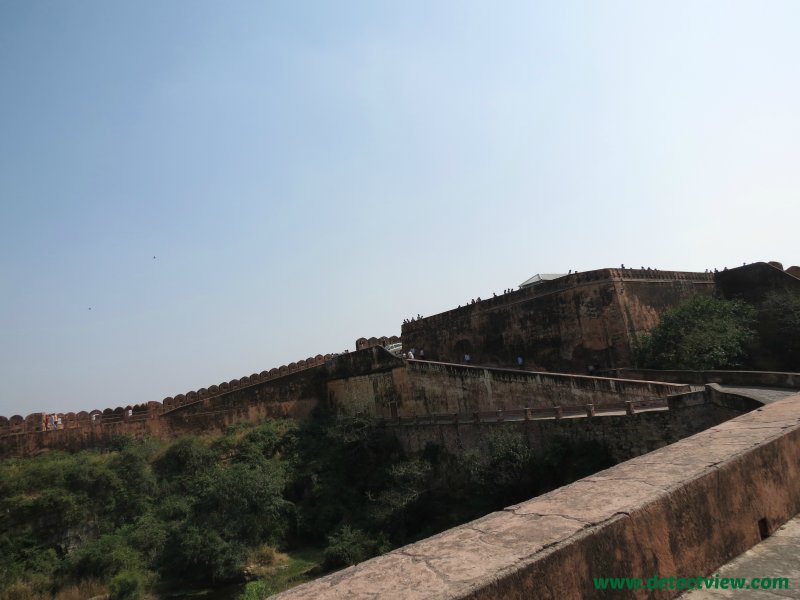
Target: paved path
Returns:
[[776, 557], [765, 395]]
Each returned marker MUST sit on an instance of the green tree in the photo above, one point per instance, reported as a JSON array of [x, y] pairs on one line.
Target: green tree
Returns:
[[779, 329], [501, 468], [699, 333]]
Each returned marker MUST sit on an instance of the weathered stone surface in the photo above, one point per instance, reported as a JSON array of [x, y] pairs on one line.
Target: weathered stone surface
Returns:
[[774, 558], [625, 436], [424, 388]]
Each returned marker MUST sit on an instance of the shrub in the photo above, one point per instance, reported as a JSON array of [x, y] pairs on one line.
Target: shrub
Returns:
[[348, 546], [127, 585], [263, 555], [257, 590]]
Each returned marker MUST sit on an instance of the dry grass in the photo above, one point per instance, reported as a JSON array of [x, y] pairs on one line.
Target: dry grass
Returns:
[[264, 560], [82, 591]]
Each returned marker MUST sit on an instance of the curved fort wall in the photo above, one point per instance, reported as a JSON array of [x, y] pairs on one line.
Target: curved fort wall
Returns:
[[567, 324]]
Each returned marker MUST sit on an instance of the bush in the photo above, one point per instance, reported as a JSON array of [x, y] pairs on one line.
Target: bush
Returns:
[[347, 547], [103, 558], [257, 590], [264, 555], [127, 585]]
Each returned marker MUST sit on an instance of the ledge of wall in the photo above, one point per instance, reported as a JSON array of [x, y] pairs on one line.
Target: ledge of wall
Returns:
[[683, 510], [742, 378]]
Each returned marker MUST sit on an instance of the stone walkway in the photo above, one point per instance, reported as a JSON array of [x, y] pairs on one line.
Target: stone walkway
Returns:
[[776, 557], [765, 395]]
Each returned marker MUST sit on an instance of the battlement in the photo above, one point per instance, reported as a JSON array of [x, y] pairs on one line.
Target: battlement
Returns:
[[383, 341], [39, 422]]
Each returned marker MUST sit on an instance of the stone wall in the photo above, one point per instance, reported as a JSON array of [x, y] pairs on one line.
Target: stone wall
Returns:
[[625, 435], [291, 390], [564, 325], [383, 341], [414, 387], [682, 511], [735, 378], [752, 282]]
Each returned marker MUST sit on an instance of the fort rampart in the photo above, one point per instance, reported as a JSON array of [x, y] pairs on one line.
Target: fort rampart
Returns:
[[370, 381], [415, 388], [566, 324], [625, 435], [290, 390]]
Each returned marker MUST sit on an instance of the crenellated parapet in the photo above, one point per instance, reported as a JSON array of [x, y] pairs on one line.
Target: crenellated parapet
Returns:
[[43, 422], [363, 343]]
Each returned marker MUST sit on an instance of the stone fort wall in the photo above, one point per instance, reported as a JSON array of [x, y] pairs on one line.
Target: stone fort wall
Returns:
[[289, 390], [418, 388], [564, 325], [625, 436], [370, 381]]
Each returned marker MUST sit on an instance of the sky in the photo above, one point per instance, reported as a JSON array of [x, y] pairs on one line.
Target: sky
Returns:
[[194, 191]]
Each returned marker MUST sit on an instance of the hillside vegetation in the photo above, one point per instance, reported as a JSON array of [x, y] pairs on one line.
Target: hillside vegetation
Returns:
[[277, 502]]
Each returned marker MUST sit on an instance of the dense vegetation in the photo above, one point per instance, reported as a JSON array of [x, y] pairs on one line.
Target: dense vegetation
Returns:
[[712, 333], [137, 518]]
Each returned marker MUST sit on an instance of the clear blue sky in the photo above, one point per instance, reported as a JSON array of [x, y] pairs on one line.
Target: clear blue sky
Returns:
[[309, 173]]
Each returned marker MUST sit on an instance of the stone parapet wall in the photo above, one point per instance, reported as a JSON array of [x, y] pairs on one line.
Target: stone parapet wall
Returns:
[[735, 378], [383, 341], [417, 387], [683, 511]]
